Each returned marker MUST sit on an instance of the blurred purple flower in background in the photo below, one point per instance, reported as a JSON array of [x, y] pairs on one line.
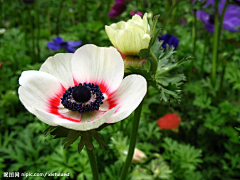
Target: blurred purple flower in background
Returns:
[[182, 20], [231, 19], [170, 40], [59, 43], [138, 13], [117, 8]]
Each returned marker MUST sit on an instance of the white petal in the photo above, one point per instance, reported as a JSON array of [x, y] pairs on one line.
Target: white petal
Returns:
[[37, 88], [145, 24], [100, 65], [132, 40], [104, 106], [128, 96], [136, 18], [112, 31], [43, 118], [80, 126], [60, 67]]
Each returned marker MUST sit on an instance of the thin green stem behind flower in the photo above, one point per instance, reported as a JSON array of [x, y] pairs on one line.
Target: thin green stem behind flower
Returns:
[[133, 140]]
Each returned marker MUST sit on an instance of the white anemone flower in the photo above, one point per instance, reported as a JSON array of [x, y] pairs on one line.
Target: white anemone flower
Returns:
[[131, 36], [82, 90]]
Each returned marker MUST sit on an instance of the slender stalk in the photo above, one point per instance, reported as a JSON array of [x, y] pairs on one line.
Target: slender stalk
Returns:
[[49, 21], [106, 20], [58, 17], [93, 163], [175, 3], [174, 14], [194, 38], [143, 4], [154, 62], [222, 78], [203, 55], [38, 30], [32, 33], [136, 1], [133, 140], [222, 18], [85, 11], [22, 15], [1, 13], [223, 62], [215, 44]]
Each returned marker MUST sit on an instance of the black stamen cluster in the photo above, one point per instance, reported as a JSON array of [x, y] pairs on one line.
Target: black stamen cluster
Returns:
[[79, 106]]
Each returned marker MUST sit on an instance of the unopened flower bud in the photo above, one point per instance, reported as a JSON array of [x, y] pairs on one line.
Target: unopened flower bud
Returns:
[[138, 156]]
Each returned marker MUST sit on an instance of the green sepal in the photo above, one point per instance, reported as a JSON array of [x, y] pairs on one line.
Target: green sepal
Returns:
[[60, 132], [237, 128], [49, 129], [144, 53], [72, 135]]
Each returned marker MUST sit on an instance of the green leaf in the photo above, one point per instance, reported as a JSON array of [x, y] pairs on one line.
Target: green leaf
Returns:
[[146, 74], [154, 38], [175, 79], [167, 63], [169, 87], [157, 48], [153, 24]]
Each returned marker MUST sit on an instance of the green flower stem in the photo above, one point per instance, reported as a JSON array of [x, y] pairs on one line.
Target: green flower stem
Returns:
[[143, 4], [32, 33], [175, 3], [136, 3], [48, 21], [223, 62], [38, 30], [58, 17], [203, 54], [133, 140], [85, 11], [217, 33], [194, 38], [174, 14], [93, 163], [154, 62], [222, 17], [222, 78], [215, 44], [1, 13]]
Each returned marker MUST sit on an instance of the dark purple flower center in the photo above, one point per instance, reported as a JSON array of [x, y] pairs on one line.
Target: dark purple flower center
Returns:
[[81, 94], [82, 98], [64, 44]]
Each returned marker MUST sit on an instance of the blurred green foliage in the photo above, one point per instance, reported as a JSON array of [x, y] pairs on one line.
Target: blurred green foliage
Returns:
[[207, 144]]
